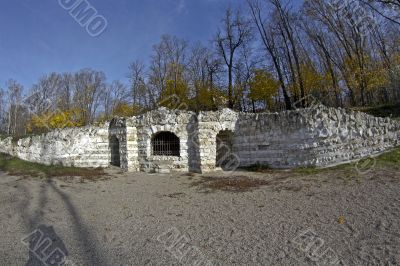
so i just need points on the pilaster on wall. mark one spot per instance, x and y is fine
(210, 124)
(207, 148)
(101, 140)
(132, 149)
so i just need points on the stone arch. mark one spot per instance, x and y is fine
(165, 143)
(117, 139)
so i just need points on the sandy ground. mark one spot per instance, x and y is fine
(140, 219)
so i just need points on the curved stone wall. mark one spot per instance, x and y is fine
(320, 136)
(80, 147)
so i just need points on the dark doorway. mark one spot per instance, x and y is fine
(115, 153)
(224, 149)
(165, 144)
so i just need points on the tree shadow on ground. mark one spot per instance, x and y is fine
(88, 244)
(45, 247)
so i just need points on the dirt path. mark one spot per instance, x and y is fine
(139, 219)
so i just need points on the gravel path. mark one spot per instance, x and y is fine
(140, 219)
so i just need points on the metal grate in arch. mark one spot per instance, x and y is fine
(165, 144)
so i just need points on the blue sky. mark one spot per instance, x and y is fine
(39, 36)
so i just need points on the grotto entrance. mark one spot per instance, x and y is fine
(115, 151)
(165, 144)
(117, 140)
(225, 157)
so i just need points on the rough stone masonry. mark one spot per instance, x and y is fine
(163, 140)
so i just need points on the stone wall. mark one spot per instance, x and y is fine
(79, 147)
(144, 127)
(7, 146)
(209, 125)
(320, 136)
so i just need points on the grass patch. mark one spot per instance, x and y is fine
(387, 110)
(391, 158)
(230, 184)
(18, 167)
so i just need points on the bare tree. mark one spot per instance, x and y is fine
(388, 9)
(287, 28)
(234, 33)
(268, 38)
(3, 112)
(199, 71)
(139, 90)
(244, 68)
(89, 86)
(44, 97)
(214, 67)
(65, 91)
(114, 94)
(167, 63)
(14, 101)
(324, 48)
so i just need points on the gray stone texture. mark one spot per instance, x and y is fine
(318, 136)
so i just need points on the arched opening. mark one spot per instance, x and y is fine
(225, 157)
(115, 151)
(165, 144)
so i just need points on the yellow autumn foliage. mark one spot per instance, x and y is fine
(126, 110)
(175, 95)
(263, 87)
(371, 76)
(313, 80)
(49, 121)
